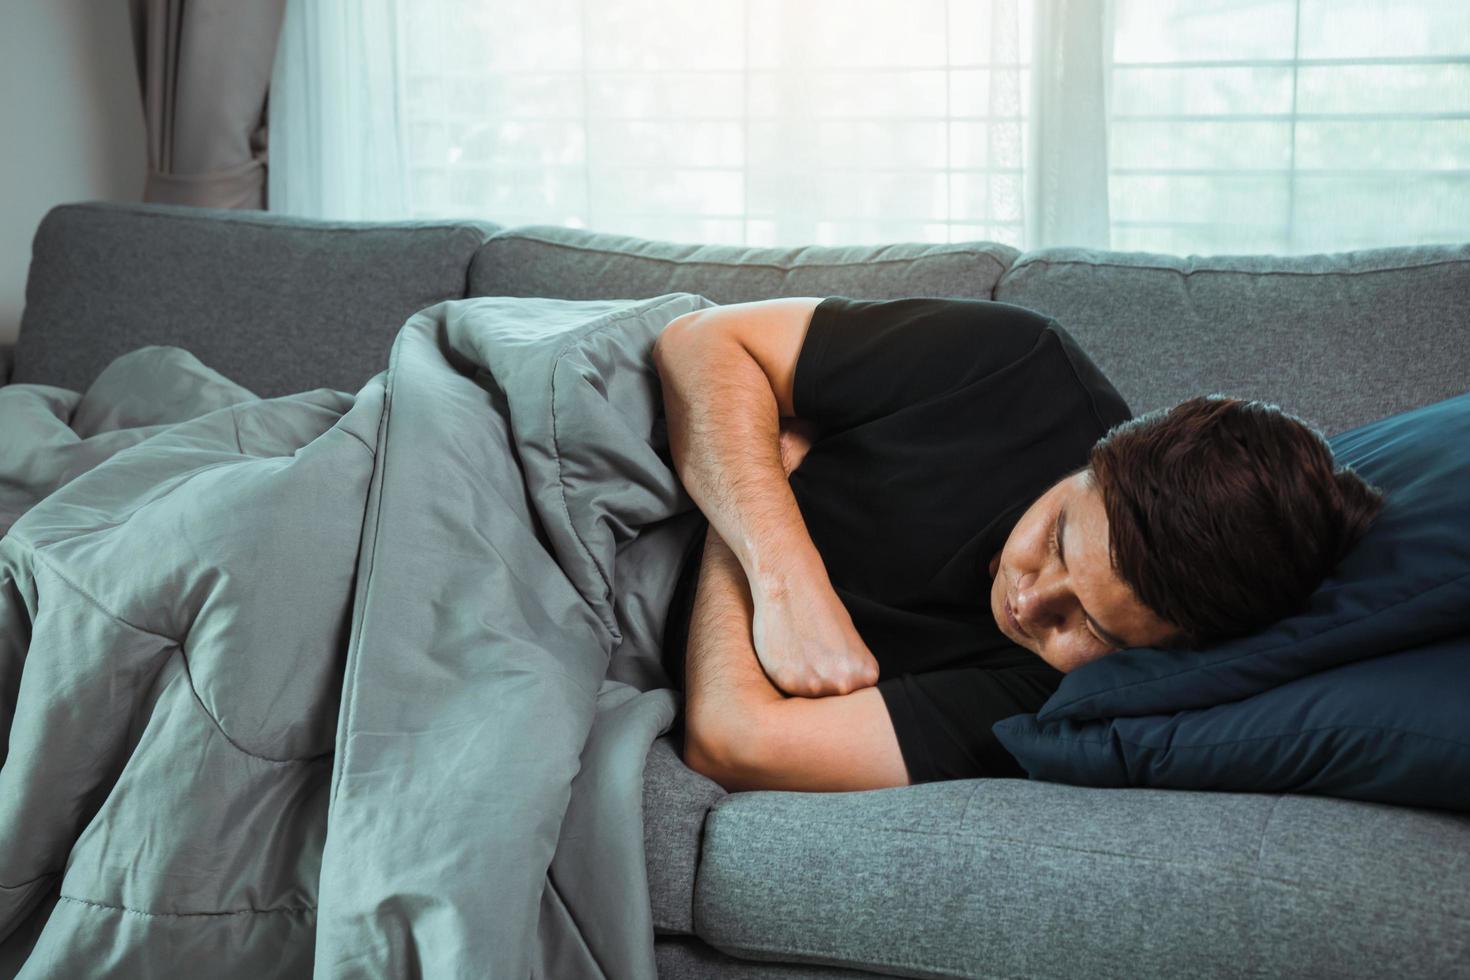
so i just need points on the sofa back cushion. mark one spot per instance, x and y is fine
(274, 303)
(568, 263)
(1339, 339)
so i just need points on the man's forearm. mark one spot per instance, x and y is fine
(725, 687)
(743, 733)
(722, 408)
(724, 434)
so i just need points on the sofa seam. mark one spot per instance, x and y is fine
(1023, 263)
(1265, 826)
(250, 219)
(845, 961)
(737, 265)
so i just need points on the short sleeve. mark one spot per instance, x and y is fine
(943, 718)
(864, 359)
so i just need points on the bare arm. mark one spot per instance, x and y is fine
(723, 410)
(743, 733)
(727, 376)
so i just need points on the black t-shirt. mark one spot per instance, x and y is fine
(940, 422)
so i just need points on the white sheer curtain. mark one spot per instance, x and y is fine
(1165, 125)
(338, 143)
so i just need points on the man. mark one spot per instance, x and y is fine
(941, 530)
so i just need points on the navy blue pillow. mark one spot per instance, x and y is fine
(1390, 729)
(1406, 582)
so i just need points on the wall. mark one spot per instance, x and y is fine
(72, 121)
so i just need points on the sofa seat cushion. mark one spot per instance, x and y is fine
(1339, 339)
(569, 263)
(688, 958)
(274, 303)
(1017, 878)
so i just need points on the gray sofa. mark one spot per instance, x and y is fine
(982, 878)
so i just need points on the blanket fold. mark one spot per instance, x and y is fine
(344, 685)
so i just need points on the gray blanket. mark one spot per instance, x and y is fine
(359, 685)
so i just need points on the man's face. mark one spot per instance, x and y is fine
(1069, 606)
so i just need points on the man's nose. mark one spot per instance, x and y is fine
(1036, 598)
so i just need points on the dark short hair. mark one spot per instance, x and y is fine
(1225, 514)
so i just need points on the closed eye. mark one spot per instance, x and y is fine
(1056, 548)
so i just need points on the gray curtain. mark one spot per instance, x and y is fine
(204, 68)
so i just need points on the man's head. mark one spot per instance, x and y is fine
(1188, 526)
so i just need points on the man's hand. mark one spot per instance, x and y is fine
(807, 644)
(745, 734)
(803, 634)
(796, 440)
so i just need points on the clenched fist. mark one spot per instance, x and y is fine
(807, 644)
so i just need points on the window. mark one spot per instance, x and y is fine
(1176, 126)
